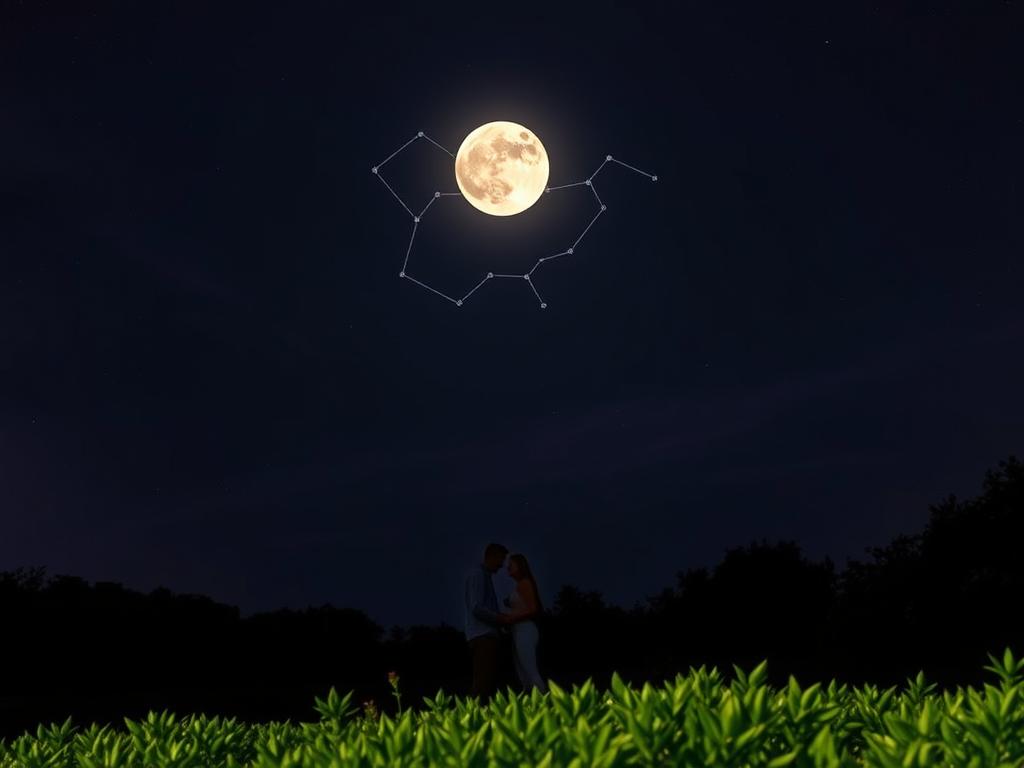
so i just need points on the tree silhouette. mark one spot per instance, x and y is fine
(938, 601)
(945, 596)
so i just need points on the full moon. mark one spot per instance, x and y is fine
(501, 168)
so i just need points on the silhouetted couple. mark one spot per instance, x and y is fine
(485, 623)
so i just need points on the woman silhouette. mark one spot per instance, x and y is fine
(525, 606)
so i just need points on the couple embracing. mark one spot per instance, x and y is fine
(485, 623)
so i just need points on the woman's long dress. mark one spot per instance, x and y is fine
(524, 639)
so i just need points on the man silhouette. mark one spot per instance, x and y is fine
(482, 621)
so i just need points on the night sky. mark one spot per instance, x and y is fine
(213, 379)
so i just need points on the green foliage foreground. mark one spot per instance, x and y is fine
(695, 720)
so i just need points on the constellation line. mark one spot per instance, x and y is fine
(486, 278)
(566, 186)
(436, 195)
(424, 285)
(585, 231)
(410, 141)
(395, 194)
(409, 249)
(627, 165)
(543, 305)
(490, 275)
(549, 258)
(435, 144)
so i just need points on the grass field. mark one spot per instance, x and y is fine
(700, 719)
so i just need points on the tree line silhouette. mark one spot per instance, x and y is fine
(937, 601)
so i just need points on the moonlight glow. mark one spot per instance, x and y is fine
(501, 168)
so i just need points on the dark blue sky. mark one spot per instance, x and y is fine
(212, 378)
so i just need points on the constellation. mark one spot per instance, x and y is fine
(526, 277)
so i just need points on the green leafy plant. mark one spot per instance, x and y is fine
(699, 719)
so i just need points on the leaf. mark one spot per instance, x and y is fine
(784, 760)
(810, 697)
(749, 735)
(924, 720)
(759, 675)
